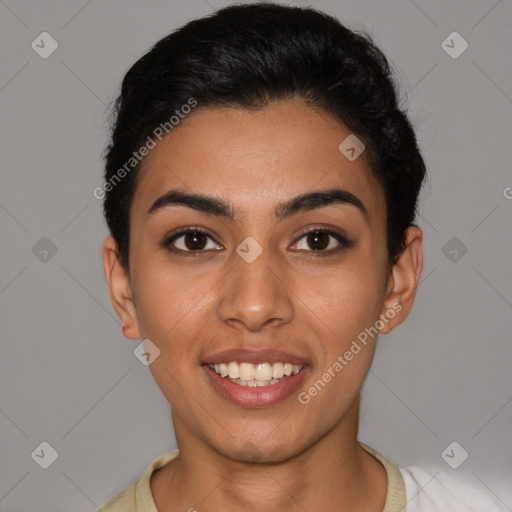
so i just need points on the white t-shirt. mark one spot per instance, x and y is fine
(410, 489)
(438, 491)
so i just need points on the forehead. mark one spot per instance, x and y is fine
(255, 159)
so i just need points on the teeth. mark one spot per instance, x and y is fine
(223, 370)
(262, 374)
(233, 371)
(256, 383)
(278, 370)
(246, 371)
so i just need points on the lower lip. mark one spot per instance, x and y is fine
(259, 396)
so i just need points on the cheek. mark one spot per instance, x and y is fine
(349, 305)
(345, 306)
(346, 300)
(169, 301)
(173, 308)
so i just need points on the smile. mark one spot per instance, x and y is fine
(256, 375)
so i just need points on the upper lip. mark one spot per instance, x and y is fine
(254, 356)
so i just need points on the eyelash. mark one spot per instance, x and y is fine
(343, 241)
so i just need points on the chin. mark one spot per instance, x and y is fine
(266, 451)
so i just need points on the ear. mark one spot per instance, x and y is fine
(403, 281)
(120, 289)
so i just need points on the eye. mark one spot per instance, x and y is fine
(322, 240)
(191, 240)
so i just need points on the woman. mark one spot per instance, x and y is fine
(261, 189)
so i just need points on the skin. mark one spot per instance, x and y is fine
(288, 456)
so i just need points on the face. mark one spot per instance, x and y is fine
(266, 280)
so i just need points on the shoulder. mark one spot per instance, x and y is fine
(123, 501)
(138, 497)
(438, 491)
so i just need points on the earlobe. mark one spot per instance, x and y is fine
(120, 291)
(403, 281)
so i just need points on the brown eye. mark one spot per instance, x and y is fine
(322, 241)
(318, 241)
(194, 241)
(191, 240)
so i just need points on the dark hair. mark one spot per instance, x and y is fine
(247, 56)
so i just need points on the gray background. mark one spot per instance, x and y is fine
(69, 377)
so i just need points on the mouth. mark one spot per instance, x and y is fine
(256, 375)
(255, 378)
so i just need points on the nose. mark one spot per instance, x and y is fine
(256, 295)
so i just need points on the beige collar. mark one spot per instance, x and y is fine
(395, 496)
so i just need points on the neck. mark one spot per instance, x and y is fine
(335, 472)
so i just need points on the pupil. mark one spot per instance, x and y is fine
(195, 244)
(313, 240)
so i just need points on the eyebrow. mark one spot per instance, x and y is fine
(215, 206)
